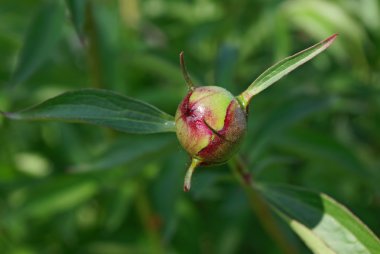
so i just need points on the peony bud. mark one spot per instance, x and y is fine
(210, 125)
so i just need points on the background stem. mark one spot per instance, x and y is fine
(259, 206)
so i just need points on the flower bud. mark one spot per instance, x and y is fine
(210, 124)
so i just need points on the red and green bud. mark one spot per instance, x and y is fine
(211, 122)
(210, 125)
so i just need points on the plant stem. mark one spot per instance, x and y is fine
(150, 222)
(243, 101)
(259, 206)
(92, 47)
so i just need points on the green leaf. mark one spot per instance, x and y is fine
(41, 38)
(77, 10)
(282, 68)
(225, 65)
(126, 151)
(49, 197)
(286, 114)
(322, 148)
(323, 224)
(100, 107)
(103, 36)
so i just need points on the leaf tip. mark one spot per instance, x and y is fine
(330, 39)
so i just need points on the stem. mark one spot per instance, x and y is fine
(92, 48)
(259, 206)
(243, 101)
(185, 74)
(194, 163)
(150, 222)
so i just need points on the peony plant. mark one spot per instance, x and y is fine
(210, 124)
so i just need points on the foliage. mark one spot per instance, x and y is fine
(85, 189)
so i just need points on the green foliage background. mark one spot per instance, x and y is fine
(69, 188)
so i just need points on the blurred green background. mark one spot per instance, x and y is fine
(69, 188)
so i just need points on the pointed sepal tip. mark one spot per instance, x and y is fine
(185, 73)
(187, 184)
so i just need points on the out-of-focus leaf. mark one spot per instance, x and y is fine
(316, 145)
(278, 120)
(317, 18)
(282, 36)
(161, 68)
(100, 107)
(225, 66)
(77, 10)
(323, 224)
(104, 44)
(282, 68)
(121, 201)
(110, 247)
(255, 35)
(126, 151)
(369, 12)
(41, 38)
(54, 196)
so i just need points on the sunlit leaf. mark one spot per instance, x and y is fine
(41, 38)
(323, 224)
(100, 107)
(282, 68)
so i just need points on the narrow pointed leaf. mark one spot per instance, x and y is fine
(100, 107)
(41, 38)
(282, 68)
(323, 224)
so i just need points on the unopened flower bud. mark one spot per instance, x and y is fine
(210, 124)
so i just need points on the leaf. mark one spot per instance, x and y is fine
(323, 224)
(77, 10)
(126, 151)
(104, 47)
(282, 68)
(323, 148)
(225, 65)
(286, 114)
(53, 195)
(41, 38)
(100, 107)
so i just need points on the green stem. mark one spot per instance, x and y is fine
(150, 222)
(243, 101)
(259, 206)
(92, 46)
